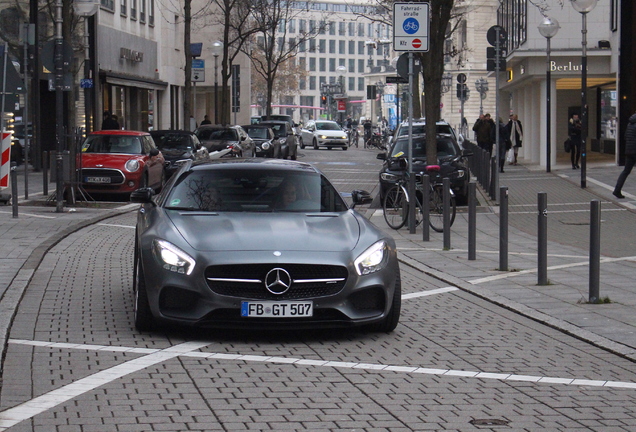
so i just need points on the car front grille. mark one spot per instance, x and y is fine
(248, 281)
(115, 175)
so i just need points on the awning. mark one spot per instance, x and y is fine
(132, 81)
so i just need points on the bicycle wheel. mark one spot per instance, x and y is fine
(436, 209)
(395, 207)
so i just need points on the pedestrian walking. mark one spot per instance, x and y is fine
(630, 156)
(504, 143)
(206, 120)
(574, 132)
(367, 132)
(515, 133)
(484, 128)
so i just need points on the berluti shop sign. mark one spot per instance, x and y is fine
(557, 66)
(128, 54)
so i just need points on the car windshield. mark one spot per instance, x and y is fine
(174, 141)
(279, 130)
(112, 144)
(254, 191)
(327, 126)
(421, 129)
(445, 147)
(217, 134)
(257, 133)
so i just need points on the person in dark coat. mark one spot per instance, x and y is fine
(206, 120)
(515, 133)
(484, 128)
(574, 132)
(109, 123)
(504, 143)
(630, 156)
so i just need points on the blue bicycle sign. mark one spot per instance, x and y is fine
(411, 25)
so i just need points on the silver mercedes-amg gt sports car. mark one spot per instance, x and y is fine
(257, 243)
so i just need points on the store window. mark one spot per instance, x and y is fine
(609, 104)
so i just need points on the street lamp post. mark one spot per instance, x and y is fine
(217, 49)
(482, 88)
(583, 7)
(548, 29)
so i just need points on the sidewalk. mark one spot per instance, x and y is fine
(563, 303)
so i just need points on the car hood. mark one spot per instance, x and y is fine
(174, 154)
(331, 133)
(314, 232)
(107, 160)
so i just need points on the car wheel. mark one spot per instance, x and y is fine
(143, 316)
(144, 181)
(315, 144)
(393, 317)
(345, 148)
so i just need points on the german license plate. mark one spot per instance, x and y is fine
(277, 309)
(97, 179)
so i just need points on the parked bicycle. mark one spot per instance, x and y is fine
(354, 137)
(376, 139)
(397, 201)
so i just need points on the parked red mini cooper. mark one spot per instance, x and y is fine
(119, 162)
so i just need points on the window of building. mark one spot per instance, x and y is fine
(352, 47)
(302, 84)
(312, 45)
(351, 29)
(280, 42)
(301, 46)
(322, 80)
(312, 26)
(142, 11)
(513, 16)
(351, 86)
(123, 8)
(361, 29)
(332, 28)
(292, 26)
(322, 46)
(341, 28)
(302, 26)
(361, 47)
(332, 65)
(281, 26)
(361, 66)
(332, 46)
(352, 65)
(322, 65)
(312, 83)
(302, 63)
(108, 5)
(151, 12)
(312, 64)
(341, 47)
(360, 84)
(341, 62)
(133, 9)
(323, 27)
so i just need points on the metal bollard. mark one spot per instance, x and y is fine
(595, 250)
(14, 189)
(45, 173)
(446, 215)
(503, 228)
(472, 221)
(412, 208)
(542, 238)
(426, 199)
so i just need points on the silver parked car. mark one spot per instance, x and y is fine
(324, 133)
(218, 138)
(259, 243)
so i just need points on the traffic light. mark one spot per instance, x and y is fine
(463, 92)
(323, 100)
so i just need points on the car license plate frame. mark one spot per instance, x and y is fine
(100, 180)
(277, 309)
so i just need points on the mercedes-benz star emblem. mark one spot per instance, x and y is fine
(278, 281)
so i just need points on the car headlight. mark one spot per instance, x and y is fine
(172, 258)
(322, 136)
(343, 137)
(132, 165)
(389, 177)
(282, 140)
(265, 146)
(372, 260)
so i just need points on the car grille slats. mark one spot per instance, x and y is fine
(248, 281)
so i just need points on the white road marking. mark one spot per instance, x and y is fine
(428, 293)
(38, 405)
(116, 225)
(42, 403)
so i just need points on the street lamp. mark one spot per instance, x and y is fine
(217, 50)
(482, 88)
(447, 81)
(583, 7)
(548, 29)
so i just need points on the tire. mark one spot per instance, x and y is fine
(436, 209)
(395, 207)
(142, 313)
(393, 317)
(345, 148)
(315, 144)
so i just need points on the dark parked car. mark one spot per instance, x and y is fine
(119, 162)
(178, 146)
(218, 138)
(286, 137)
(452, 161)
(257, 243)
(264, 140)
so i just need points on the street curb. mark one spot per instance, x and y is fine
(484, 294)
(16, 289)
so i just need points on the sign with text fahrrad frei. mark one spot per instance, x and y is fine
(411, 29)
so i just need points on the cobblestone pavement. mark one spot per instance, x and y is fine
(458, 361)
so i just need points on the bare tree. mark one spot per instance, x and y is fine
(273, 47)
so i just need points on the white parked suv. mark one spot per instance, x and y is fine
(324, 133)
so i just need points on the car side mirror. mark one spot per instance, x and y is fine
(142, 196)
(381, 156)
(154, 152)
